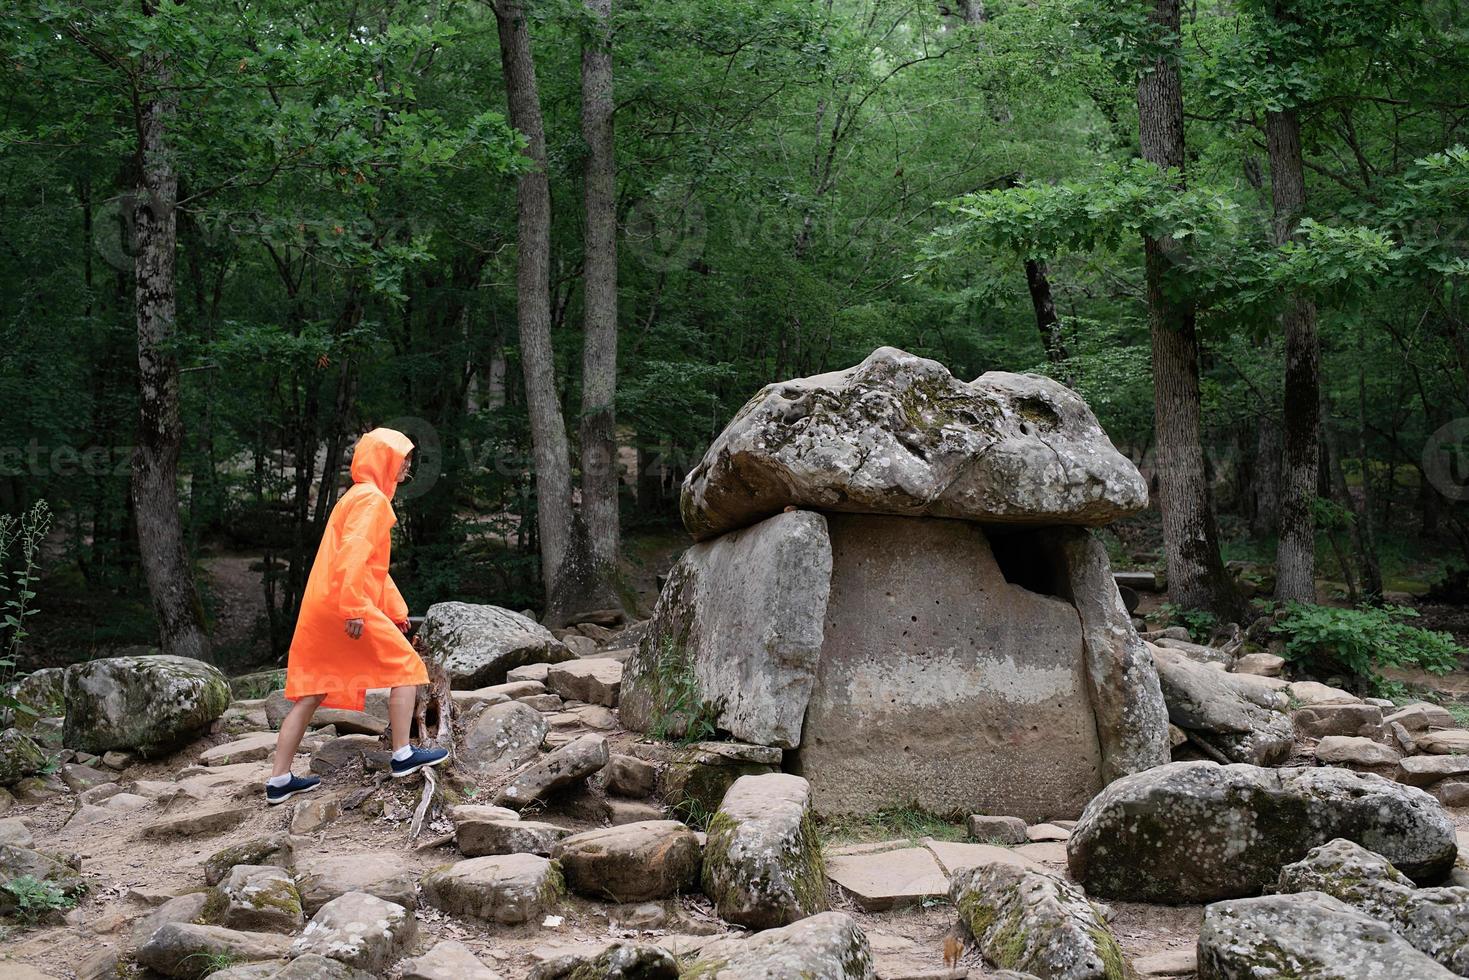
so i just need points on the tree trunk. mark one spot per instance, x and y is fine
(161, 544)
(599, 480)
(1038, 281)
(1197, 578)
(1265, 479)
(1295, 555)
(568, 569)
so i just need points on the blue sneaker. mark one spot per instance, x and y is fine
(418, 760)
(297, 785)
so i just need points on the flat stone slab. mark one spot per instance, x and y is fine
(889, 879)
(251, 748)
(953, 855)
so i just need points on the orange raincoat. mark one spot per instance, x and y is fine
(350, 580)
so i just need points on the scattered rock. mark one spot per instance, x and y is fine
(631, 863)
(1174, 963)
(1198, 832)
(480, 644)
(630, 777)
(277, 850)
(621, 812)
(1260, 664)
(1421, 716)
(1452, 792)
(360, 930)
(214, 819)
(595, 681)
(479, 811)
(346, 722)
(762, 863)
(479, 838)
(310, 815)
(251, 748)
(260, 898)
(13, 830)
(620, 961)
(1240, 721)
(1321, 720)
(1312, 693)
(1357, 753)
(43, 691)
(997, 830)
(530, 672)
(1032, 920)
(180, 908)
(1434, 920)
(20, 756)
(697, 776)
(569, 764)
(307, 967)
(147, 705)
(1196, 652)
(448, 960)
(186, 949)
(346, 751)
(502, 737)
(736, 635)
(1451, 742)
(828, 946)
(385, 874)
(117, 760)
(1305, 935)
(508, 889)
(79, 778)
(60, 871)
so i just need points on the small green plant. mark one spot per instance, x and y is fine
(1199, 622)
(1361, 641)
(208, 963)
(682, 714)
(693, 813)
(20, 544)
(35, 897)
(897, 823)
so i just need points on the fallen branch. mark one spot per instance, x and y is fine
(430, 787)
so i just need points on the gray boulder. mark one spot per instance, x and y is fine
(60, 871)
(1311, 936)
(42, 691)
(447, 960)
(149, 705)
(595, 680)
(385, 874)
(570, 764)
(260, 898)
(360, 930)
(620, 961)
(1035, 921)
(1239, 720)
(478, 644)
(736, 635)
(762, 862)
(276, 849)
(827, 946)
(502, 737)
(634, 862)
(1434, 920)
(898, 434)
(479, 837)
(1199, 832)
(20, 756)
(508, 889)
(187, 949)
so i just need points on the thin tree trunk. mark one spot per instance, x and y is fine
(1038, 281)
(1197, 578)
(1295, 555)
(1366, 532)
(599, 481)
(567, 567)
(160, 430)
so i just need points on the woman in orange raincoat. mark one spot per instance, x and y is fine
(351, 633)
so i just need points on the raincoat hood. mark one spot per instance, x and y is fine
(378, 457)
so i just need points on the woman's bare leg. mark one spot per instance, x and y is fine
(400, 713)
(293, 727)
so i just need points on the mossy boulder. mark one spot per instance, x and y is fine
(762, 862)
(361, 930)
(261, 898)
(1310, 936)
(277, 850)
(620, 961)
(508, 889)
(20, 756)
(1035, 921)
(478, 643)
(898, 434)
(1434, 920)
(826, 946)
(633, 862)
(149, 705)
(1198, 832)
(41, 691)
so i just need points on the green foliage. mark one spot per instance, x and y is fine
(1200, 623)
(681, 713)
(34, 897)
(1359, 642)
(908, 823)
(20, 550)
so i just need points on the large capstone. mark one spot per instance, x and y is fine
(736, 635)
(1307, 935)
(148, 705)
(898, 434)
(1200, 832)
(478, 644)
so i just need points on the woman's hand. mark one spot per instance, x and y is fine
(354, 628)
(405, 626)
